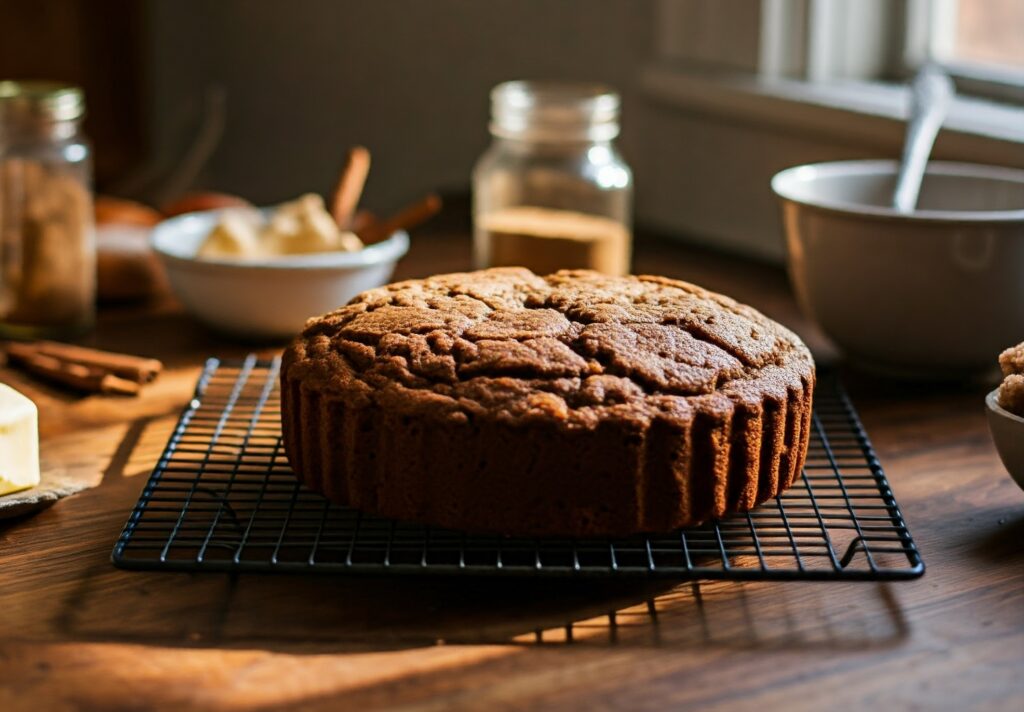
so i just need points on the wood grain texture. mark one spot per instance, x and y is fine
(75, 633)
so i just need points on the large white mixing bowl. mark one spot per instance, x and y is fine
(939, 292)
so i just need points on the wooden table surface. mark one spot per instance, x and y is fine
(76, 633)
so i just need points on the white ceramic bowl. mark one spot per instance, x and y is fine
(939, 292)
(266, 299)
(1008, 434)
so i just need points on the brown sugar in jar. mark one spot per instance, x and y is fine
(47, 248)
(546, 240)
(552, 191)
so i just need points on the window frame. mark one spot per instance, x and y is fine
(743, 88)
(986, 81)
(931, 34)
(826, 40)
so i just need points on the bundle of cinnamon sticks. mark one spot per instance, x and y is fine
(370, 228)
(84, 369)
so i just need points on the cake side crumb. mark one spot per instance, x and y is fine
(574, 404)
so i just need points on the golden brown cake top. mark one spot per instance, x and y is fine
(575, 346)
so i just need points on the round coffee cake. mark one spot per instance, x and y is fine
(574, 404)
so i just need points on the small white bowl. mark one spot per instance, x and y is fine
(266, 299)
(1008, 434)
(938, 292)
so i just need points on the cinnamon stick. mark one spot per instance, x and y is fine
(363, 221)
(132, 368)
(349, 188)
(409, 217)
(77, 376)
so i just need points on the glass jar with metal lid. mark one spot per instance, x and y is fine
(47, 247)
(552, 191)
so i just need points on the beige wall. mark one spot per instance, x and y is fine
(305, 79)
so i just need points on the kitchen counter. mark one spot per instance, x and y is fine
(76, 633)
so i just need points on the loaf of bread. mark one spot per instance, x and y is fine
(575, 404)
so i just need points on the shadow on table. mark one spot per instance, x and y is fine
(327, 613)
(1002, 541)
(333, 613)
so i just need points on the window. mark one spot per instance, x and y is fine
(988, 32)
(981, 43)
(742, 88)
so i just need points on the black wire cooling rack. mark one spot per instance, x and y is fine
(222, 498)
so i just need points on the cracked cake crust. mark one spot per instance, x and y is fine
(573, 404)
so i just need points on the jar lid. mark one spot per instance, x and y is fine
(554, 111)
(40, 101)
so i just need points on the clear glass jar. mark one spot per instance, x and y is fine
(552, 191)
(47, 243)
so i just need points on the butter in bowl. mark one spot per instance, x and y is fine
(302, 226)
(258, 274)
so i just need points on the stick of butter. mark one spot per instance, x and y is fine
(19, 442)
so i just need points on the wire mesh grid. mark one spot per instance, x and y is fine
(222, 498)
